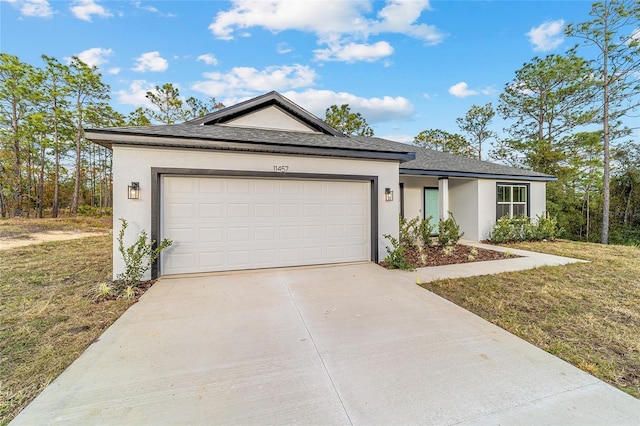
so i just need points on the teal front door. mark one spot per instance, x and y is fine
(431, 205)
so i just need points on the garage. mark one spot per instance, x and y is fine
(221, 223)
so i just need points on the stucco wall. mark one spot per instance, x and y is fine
(487, 205)
(414, 194)
(133, 164)
(463, 203)
(270, 118)
(538, 199)
(472, 202)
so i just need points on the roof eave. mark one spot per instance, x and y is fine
(108, 140)
(475, 175)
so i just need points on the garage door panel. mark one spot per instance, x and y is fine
(356, 231)
(210, 210)
(239, 258)
(211, 235)
(236, 234)
(180, 210)
(238, 186)
(239, 210)
(240, 223)
(264, 233)
(211, 186)
(212, 259)
(289, 210)
(290, 233)
(313, 232)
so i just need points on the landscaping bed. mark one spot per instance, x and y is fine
(421, 257)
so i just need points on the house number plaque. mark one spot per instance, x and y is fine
(281, 169)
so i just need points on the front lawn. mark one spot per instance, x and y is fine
(47, 316)
(587, 314)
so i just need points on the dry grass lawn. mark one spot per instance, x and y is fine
(587, 314)
(47, 315)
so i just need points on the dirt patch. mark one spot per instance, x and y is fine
(43, 237)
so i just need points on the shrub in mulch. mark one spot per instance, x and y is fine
(113, 290)
(420, 257)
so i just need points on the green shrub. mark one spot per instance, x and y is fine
(449, 231)
(502, 231)
(425, 232)
(90, 211)
(521, 228)
(408, 235)
(396, 258)
(137, 258)
(546, 228)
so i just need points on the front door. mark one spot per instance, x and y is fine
(431, 205)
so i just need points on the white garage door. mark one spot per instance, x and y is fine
(220, 224)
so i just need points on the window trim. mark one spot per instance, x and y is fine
(511, 185)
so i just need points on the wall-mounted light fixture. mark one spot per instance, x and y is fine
(388, 194)
(133, 191)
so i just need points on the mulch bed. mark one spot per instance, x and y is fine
(139, 290)
(436, 256)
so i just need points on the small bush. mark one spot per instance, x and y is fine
(508, 230)
(546, 228)
(425, 231)
(137, 258)
(90, 211)
(408, 236)
(449, 231)
(396, 258)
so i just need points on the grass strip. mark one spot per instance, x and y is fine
(588, 314)
(47, 315)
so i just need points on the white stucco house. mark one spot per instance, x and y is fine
(265, 183)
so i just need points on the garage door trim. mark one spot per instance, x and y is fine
(156, 199)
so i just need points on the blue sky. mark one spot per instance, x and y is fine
(405, 65)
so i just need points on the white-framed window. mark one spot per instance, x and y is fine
(512, 200)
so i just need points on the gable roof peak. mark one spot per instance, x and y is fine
(264, 101)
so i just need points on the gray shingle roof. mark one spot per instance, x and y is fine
(210, 132)
(448, 164)
(271, 98)
(248, 136)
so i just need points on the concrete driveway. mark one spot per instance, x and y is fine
(351, 344)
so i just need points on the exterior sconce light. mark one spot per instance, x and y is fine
(133, 191)
(388, 194)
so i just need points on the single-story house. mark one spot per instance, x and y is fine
(265, 183)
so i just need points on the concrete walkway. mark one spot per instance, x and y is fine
(348, 344)
(528, 260)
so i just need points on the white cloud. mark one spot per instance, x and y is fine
(136, 94)
(547, 36)
(148, 8)
(36, 8)
(151, 61)
(332, 21)
(408, 139)
(95, 56)
(374, 110)
(461, 90)
(353, 52)
(283, 48)
(399, 16)
(113, 71)
(32, 8)
(85, 9)
(247, 81)
(152, 9)
(208, 59)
